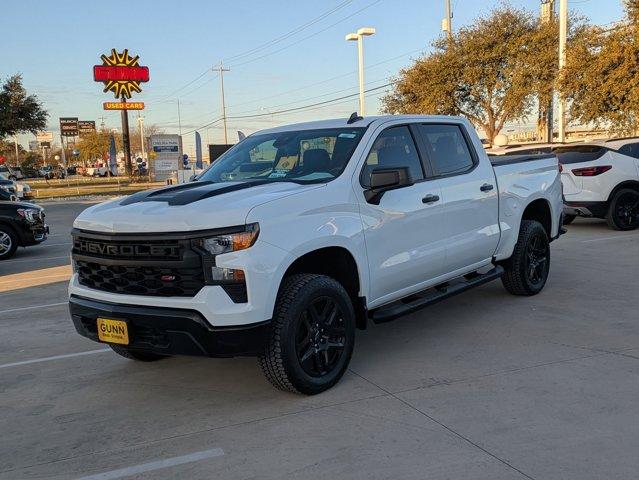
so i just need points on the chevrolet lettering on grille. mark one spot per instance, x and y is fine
(118, 250)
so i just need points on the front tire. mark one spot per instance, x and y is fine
(623, 213)
(526, 271)
(8, 243)
(136, 355)
(312, 335)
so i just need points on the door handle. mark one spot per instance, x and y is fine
(430, 198)
(486, 187)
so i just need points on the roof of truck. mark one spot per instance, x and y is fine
(362, 122)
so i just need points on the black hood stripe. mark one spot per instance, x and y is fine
(188, 193)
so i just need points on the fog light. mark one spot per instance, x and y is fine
(219, 274)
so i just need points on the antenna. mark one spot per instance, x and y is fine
(354, 118)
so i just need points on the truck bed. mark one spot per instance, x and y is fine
(501, 160)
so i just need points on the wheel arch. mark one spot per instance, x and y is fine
(540, 211)
(338, 263)
(16, 232)
(631, 184)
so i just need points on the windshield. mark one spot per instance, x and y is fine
(305, 156)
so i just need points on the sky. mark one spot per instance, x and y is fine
(282, 54)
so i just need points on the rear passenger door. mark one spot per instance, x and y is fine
(469, 193)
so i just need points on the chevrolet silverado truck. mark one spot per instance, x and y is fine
(299, 235)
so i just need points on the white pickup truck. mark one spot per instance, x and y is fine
(298, 235)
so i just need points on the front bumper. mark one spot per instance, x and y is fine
(170, 331)
(586, 209)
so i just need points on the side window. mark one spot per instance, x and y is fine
(449, 150)
(393, 148)
(630, 149)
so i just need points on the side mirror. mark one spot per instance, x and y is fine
(385, 179)
(193, 178)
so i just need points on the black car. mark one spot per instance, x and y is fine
(21, 225)
(8, 190)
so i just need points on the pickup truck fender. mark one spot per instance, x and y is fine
(516, 195)
(331, 220)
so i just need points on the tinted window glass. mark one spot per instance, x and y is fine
(448, 147)
(579, 153)
(393, 148)
(299, 156)
(631, 149)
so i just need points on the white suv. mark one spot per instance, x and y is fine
(601, 179)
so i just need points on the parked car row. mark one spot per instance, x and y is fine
(600, 178)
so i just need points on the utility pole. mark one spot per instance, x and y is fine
(102, 122)
(447, 24)
(545, 116)
(563, 33)
(141, 127)
(221, 70)
(179, 118)
(15, 140)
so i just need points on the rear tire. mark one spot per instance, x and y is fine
(568, 219)
(8, 242)
(526, 271)
(312, 335)
(623, 213)
(136, 355)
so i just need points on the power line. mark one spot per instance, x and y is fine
(188, 84)
(307, 37)
(288, 110)
(291, 33)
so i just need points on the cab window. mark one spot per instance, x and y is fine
(393, 148)
(447, 147)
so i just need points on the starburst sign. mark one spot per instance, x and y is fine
(121, 74)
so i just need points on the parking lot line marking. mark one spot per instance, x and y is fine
(157, 465)
(34, 259)
(608, 238)
(31, 307)
(56, 357)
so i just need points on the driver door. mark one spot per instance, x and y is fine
(404, 234)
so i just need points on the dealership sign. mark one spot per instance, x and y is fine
(123, 105)
(69, 126)
(121, 74)
(86, 126)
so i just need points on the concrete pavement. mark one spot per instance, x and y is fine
(481, 386)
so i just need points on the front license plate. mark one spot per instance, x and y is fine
(113, 331)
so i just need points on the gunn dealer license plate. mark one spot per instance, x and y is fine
(113, 331)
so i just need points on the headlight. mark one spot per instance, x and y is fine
(5, 188)
(231, 242)
(29, 214)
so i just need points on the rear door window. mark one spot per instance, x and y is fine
(447, 147)
(579, 153)
(630, 149)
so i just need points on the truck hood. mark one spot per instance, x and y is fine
(186, 207)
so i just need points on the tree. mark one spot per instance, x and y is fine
(95, 145)
(601, 77)
(490, 72)
(19, 112)
(134, 137)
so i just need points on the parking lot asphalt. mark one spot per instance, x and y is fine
(481, 386)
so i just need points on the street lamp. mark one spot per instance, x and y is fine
(359, 36)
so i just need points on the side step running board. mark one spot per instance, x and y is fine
(432, 295)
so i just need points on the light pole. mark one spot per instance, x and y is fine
(563, 32)
(359, 37)
(141, 127)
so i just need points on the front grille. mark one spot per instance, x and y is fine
(127, 250)
(141, 280)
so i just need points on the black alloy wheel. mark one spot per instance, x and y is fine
(537, 252)
(625, 210)
(320, 337)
